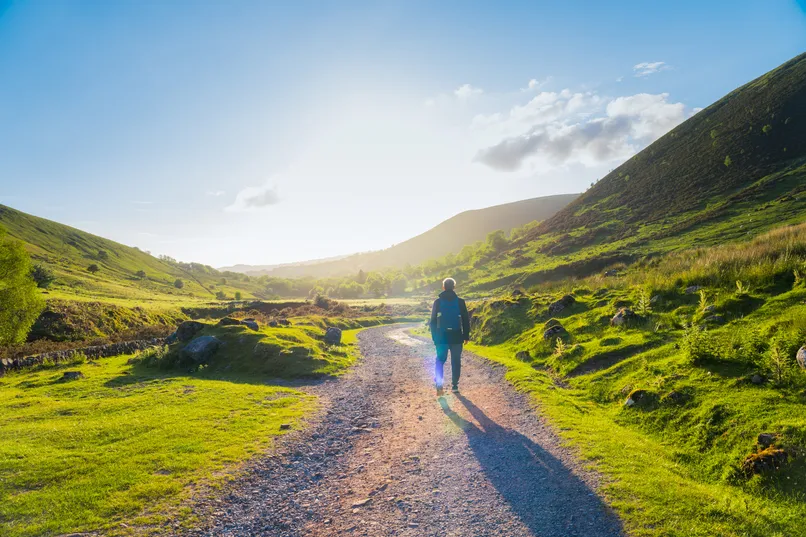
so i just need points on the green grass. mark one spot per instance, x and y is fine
(132, 440)
(88, 454)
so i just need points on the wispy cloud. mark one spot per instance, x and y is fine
(467, 91)
(254, 198)
(649, 68)
(215, 193)
(535, 84)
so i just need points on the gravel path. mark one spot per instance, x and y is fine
(386, 457)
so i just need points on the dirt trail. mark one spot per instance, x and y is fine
(386, 457)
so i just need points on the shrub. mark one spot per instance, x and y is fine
(179, 284)
(221, 295)
(699, 345)
(43, 276)
(93, 268)
(141, 274)
(238, 295)
(103, 255)
(20, 303)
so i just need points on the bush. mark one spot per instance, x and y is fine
(179, 284)
(141, 274)
(103, 255)
(43, 276)
(92, 269)
(238, 295)
(699, 345)
(221, 295)
(20, 303)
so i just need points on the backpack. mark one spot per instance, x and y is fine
(450, 318)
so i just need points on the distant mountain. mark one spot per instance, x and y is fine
(448, 237)
(263, 269)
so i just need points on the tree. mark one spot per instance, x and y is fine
(20, 303)
(497, 241)
(362, 277)
(141, 274)
(221, 295)
(238, 295)
(376, 284)
(103, 254)
(43, 276)
(179, 284)
(398, 285)
(93, 268)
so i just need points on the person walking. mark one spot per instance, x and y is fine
(450, 329)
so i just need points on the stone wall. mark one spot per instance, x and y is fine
(98, 351)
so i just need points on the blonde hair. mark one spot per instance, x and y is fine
(449, 284)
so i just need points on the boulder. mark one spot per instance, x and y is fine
(757, 379)
(714, 319)
(554, 331)
(228, 321)
(284, 322)
(201, 349)
(765, 440)
(560, 305)
(523, 356)
(188, 329)
(72, 375)
(765, 461)
(691, 289)
(273, 323)
(251, 323)
(623, 317)
(801, 357)
(333, 336)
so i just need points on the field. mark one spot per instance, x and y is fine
(132, 439)
(707, 371)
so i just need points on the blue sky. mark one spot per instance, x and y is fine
(260, 132)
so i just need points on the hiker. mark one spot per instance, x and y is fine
(450, 328)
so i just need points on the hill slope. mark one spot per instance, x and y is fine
(732, 171)
(448, 237)
(68, 252)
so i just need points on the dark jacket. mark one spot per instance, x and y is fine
(440, 336)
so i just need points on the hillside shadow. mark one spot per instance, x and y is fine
(545, 495)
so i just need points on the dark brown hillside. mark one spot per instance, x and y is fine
(755, 130)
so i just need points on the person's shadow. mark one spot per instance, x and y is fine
(542, 492)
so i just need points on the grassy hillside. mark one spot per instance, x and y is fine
(448, 237)
(681, 392)
(69, 252)
(731, 172)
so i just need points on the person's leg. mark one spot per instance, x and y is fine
(439, 366)
(456, 364)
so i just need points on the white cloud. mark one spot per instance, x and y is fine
(467, 91)
(535, 84)
(649, 68)
(215, 193)
(254, 198)
(580, 128)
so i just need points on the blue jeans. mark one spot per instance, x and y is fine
(456, 362)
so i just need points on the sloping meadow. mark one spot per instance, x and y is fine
(679, 376)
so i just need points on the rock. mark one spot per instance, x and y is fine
(201, 349)
(251, 324)
(625, 316)
(765, 461)
(765, 440)
(284, 322)
(801, 357)
(285, 426)
(551, 323)
(757, 379)
(361, 503)
(273, 323)
(560, 305)
(641, 398)
(72, 375)
(691, 289)
(188, 329)
(228, 321)
(555, 331)
(171, 339)
(714, 319)
(524, 356)
(333, 336)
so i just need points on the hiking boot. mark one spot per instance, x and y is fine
(455, 389)
(440, 391)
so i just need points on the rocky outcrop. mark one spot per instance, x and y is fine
(624, 317)
(765, 461)
(201, 349)
(333, 336)
(565, 302)
(553, 329)
(188, 329)
(96, 351)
